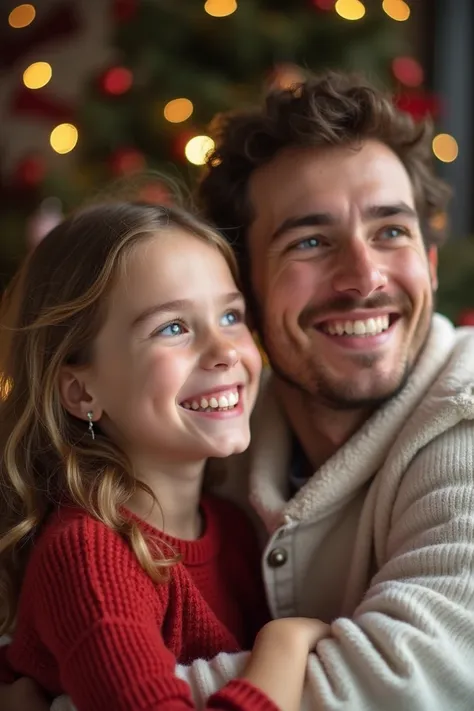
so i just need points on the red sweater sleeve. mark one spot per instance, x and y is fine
(99, 616)
(6, 674)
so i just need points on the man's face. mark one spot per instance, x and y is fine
(340, 273)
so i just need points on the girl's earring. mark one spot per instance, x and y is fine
(91, 424)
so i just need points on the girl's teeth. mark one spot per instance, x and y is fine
(213, 403)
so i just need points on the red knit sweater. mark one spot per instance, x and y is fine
(93, 625)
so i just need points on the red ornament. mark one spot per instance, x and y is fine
(324, 5)
(127, 160)
(30, 171)
(124, 10)
(408, 71)
(156, 193)
(180, 143)
(418, 104)
(117, 81)
(466, 318)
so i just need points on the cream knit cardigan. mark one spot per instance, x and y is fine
(379, 542)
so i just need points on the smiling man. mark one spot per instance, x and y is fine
(361, 464)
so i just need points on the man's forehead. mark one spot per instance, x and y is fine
(322, 179)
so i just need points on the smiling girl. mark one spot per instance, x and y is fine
(129, 365)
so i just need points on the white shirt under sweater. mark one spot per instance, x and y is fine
(379, 542)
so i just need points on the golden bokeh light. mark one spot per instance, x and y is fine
(178, 110)
(37, 75)
(220, 8)
(350, 9)
(198, 148)
(21, 16)
(445, 147)
(396, 9)
(64, 138)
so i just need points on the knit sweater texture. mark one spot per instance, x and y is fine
(93, 624)
(379, 543)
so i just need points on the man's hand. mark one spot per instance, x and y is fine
(23, 695)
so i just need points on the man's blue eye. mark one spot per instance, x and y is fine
(392, 232)
(172, 329)
(308, 243)
(231, 318)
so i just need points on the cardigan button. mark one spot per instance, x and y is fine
(277, 557)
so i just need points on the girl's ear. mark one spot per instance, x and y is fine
(77, 396)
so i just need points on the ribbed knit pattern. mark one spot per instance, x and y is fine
(92, 624)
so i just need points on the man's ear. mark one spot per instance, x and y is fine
(76, 395)
(433, 266)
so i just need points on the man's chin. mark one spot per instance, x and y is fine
(352, 394)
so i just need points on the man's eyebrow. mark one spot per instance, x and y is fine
(324, 219)
(390, 210)
(315, 219)
(179, 305)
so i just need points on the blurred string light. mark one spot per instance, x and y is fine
(408, 71)
(350, 9)
(198, 148)
(445, 147)
(396, 9)
(220, 8)
(178, 110)
(64, 138)
(37, 75)
(117, 80)
(21, 16)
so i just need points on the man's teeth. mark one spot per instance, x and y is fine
(369, 327)
(219, 401)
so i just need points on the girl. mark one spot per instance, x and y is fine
(129, 365)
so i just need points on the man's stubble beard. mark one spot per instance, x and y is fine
(318, 388)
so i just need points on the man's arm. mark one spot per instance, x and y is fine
(410, 643)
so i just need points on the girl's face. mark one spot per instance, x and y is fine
(175, 370)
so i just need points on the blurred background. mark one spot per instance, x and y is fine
(100, 90)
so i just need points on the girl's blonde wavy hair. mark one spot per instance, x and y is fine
(50, 317)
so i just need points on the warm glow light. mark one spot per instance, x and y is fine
(439, 221)
(198, 148)
(37, 75)
(396, 9)
(445, 147)
(220, 8)
(178, 110)
(350, 9)
(21, 16)
(6, 385)
(63, 138)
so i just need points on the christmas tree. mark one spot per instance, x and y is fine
(179, 63)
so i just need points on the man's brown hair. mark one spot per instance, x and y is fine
(334, 109)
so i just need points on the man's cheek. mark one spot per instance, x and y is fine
(293, 286)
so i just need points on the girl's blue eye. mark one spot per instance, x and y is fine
(172, 329)
(231, 318)
(308, 243)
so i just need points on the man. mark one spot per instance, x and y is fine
(361, 465)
